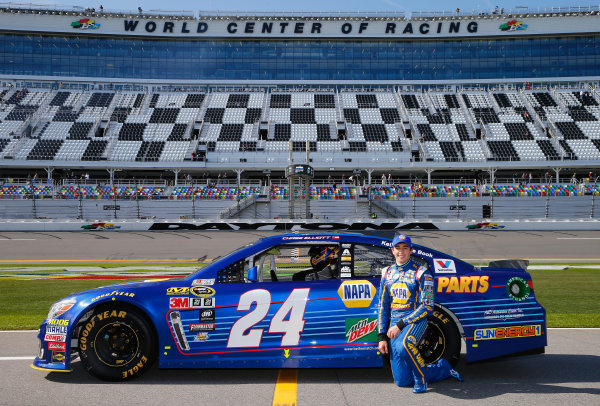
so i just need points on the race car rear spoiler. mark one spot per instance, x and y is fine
(510, 263)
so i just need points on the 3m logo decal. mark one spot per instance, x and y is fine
(179, 302)
(357, 293)
(444, 266)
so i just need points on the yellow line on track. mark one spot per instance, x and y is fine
(533, 259)
(285, 389)
(12, 261)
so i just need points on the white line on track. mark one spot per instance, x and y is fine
(17, 239)
(18, 331)
(30, 358)
(578, 238)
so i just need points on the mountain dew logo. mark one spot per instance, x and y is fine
(361, 330)
(85, 24)
(513, 25)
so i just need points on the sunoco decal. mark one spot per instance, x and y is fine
(357, 293)
(361, 330)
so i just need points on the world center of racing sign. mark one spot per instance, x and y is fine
(294, 27)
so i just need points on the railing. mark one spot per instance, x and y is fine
(301, 14)
(519, 10)
(388, 208)
(237, 207)
(440, 208)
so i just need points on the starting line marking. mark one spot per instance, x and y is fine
(286, 388)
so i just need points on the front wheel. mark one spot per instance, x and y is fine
(116, 344)
(441, 339)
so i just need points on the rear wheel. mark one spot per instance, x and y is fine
(441, 340)
(117, 343)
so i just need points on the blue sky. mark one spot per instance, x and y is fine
(320, 5)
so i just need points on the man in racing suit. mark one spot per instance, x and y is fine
(323, 261)
(406, 299)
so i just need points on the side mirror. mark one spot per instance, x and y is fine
(252, 274)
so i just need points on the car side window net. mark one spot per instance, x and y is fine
(298, 263)
(233, 273)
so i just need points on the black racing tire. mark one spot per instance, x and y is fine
(441, 339)
(117, 343)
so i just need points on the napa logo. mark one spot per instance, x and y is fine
(357, 293)
(513, 25)
(444, 266)
(85, 24)
(400, 293)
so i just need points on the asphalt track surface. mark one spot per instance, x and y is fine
(117, 246)
(569, 373)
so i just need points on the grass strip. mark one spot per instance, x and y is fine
(569, 296)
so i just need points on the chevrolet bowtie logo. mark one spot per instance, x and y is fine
(286, 353)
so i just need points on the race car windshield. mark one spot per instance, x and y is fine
(218, 257)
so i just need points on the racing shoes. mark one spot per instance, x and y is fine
(420, 387)
(454, 374)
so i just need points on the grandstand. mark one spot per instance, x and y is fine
(426, 97)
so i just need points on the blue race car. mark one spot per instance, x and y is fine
(288, 301)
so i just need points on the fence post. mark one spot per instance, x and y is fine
(137, 202)
(593, 199)
(114, 194)
(33, 200)
(80, 217)
(193, 201)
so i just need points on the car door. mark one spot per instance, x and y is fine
(293, 313)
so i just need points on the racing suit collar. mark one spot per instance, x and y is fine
(402, 265)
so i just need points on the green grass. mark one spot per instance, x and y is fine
(569, 296)
(25, 303)
(99, 264)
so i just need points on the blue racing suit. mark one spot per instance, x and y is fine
(406, 299)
